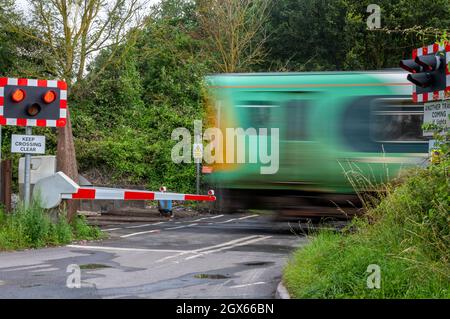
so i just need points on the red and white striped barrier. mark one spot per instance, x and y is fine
(128, 194)
(51, 190)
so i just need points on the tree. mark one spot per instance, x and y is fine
(306, 35)
(74, 31)
(20, 56)
(404, 26)
(235, 30)
(333, 34)
(125, 119)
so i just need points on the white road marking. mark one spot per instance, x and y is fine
(197, 220)
(137, 226)
(29, 267)
(246, 217)
(247, 285)
(208, 248)
(145, 225)
(126, 249)
(229, 247)
(226, 221)
(140, 233)
(111, 229)
(45, 269)
(179, 227)
(233, 219)
(214, 217)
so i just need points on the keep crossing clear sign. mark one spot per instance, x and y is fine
(27, 144)
(436, 113)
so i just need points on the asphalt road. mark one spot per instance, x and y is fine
(213, 256)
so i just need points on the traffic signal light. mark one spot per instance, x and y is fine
(26, 102)
(429, 72)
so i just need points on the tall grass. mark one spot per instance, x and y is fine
(33, 228)
(406, 232)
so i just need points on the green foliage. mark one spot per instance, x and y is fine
(81, 230)
(21, 56)
(333, 35)
(33, 228)
(124, 119)
(407, 235)
(441, 135)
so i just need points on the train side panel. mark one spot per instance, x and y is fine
(330, 125)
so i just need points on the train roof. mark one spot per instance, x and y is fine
(313, 81)
(257, 74)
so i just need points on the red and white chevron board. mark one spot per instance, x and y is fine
(35, 122)
(92, 193)
(436, 95)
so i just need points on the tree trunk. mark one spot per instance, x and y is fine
(67, 162)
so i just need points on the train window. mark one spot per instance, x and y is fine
(257, 114)
(296, 113)
(396, 121)
(383, 124)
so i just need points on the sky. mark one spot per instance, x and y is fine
(24, 6)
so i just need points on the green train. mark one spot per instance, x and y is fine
(338, 132)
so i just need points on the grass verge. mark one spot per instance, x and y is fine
(33, 228)
(407, 235)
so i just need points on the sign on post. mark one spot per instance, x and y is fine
(436, 113)
(28, 144)
(198, 151)
(198, 155)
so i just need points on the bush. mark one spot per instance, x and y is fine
(33, 228)
(407, 235)
(82, 230)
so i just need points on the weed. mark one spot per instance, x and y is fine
(406, 232)
(33, 228)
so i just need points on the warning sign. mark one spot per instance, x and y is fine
(27, 144)
(436, 113)
(198, 151)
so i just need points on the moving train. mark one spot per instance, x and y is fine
(338, 133)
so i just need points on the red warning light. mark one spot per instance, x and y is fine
(49, 97)
(18, 95)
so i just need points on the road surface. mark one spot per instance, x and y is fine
(212, 256)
